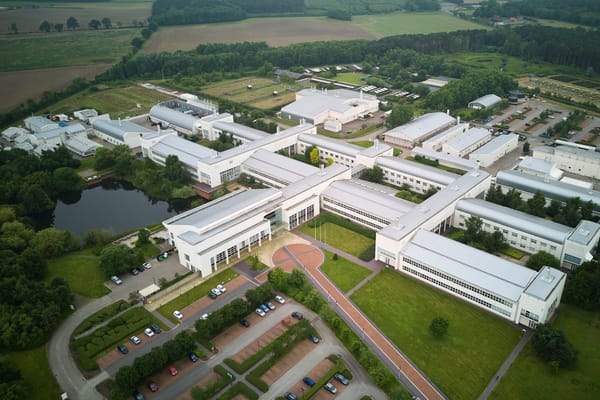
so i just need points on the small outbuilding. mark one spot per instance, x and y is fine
(487, 101)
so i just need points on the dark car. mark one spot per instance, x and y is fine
(297, 315)
(152, 386)
(140, 268)
(314, 338)
(341, 378)
(138, 396)
(155, 328)
(134, 271)
(291, 396)
(245, 323)
(212, 295)
(309, 381)
(123, 349)
(193, 356)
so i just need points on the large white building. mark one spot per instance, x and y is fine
(571, 159)
(539, 167)
(435, 143)
(420, 129)
(467, 142)
(495, 149)
(120, 132)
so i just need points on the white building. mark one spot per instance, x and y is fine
(487, 101)
(571, 159)
(495, 149)
(444, 159)
(467, 142)
(120, 132)
(12, 132)
(85, 114)
(435, 143)
(318, 106)
(539, 167)
(39, 124)
(419, 177)
(420, 129)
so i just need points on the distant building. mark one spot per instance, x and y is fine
(495, 149)
(420, 129)
(487, 101)
(467, 142)
(85, 114)
(12, 132)
(39, 124)
(571, 159)
(120, 132)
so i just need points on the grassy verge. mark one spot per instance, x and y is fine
(363, 143)
(100, 316)
(211, 390)
(149, 250)
(238, 388)
(34, 367)
(528, 374)
(463, 362)
(187, 298)
(344, 273)
(80, 270)
(512, 252)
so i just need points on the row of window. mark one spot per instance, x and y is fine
(323, 154)
(383, 221)
(403, 178)
(530, 315)
(351, 216)
(301, 216)
(459, 282)
(230, 174)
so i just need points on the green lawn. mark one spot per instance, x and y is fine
(363, 143)
(340, 238)
(80, 270)
(529, 375)
(462, 363)
(344, 273)
(187, 298)
(33, 364)
(350, 77)
(381, 25)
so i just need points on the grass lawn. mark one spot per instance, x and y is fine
(363, 143)
(33, 364)
(462, 363)
(344, 273)
(350, 77)
(149, 250)
(528, 374)
(187, 298)
(340, 238)
(80, 270)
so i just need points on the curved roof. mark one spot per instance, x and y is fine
(422, 126)
(516, 219)
(488, 100)
(417, 170)
(240, 130)
(118, 129)
(173, 117)
(550, 188)
(338, 146)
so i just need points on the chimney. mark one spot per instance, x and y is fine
(277, 131)
(321, 170)
(120, 122)
(448, 112)
(458, 120)
(361, 94)
(376, 143)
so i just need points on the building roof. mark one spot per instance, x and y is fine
(81, 145)
(519, 220)
(311, 181)
(62, 130)
(173, 117)
(118, 128)
(585, 232)
(578, 152)
(277, 167)
(338, 146)
(377, 149)
(537, 164)
(314, 102)
(374, 199)
(465, 140)
(496, 144)
(481, 269)
(458, 162)
(544, 282)
(186, 151)
(12, 131)
(441, 137)
(417, 170)
(550, 188)
(422, 126)
(240, 130)
(488, 100)
(37, 122)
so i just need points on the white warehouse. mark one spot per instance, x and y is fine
(420, 129)
(467, 142)
(495, 149)
(571, 159)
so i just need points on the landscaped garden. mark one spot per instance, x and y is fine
(462, 363)
(344, 273)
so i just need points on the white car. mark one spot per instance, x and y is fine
(279, 299)
(260, 312)
(204, 316)
(148, 332)
(177, 314)
(147, 265)
(135, 340)
(216, 291)
(116, 280)
(221, 288)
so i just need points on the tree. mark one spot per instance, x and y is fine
(583, 286)
(551, 344)
(13, 28)
(526, 146)
(94, 24)
(59, 27)
(35, 200)
(473, 225)
(45, 26)
(176, 172)
(536, 205)
(137, 43)
(439, 327)
(66, 179)
(374, 174)
(115, 260)
(401, 114)
(308, 152)
(127, 378)
(53, 243)
(72, 23)
(314, 156)
(107, 23)
(542, 258)
(143, 237)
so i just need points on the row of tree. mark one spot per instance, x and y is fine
(73, 23)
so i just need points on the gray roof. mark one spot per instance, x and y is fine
(468, 139)
(422, 126)
(544, 282)
(590, 154)
(584, 232)
(277, 167)
(536, 164)
(338, 146)
(315, 102)
(56, 132)
(488, 100)
(536, 226)
(496, 143)
(38, 122)
(486, 271)
(374, 199)
(457, 162)
(117, 128)
(417, 170)
(550, 188)
(186, 151)
(82, 146)
(447, 132)
(173, 117)
(377, 149)
(240, 130)
(311, 181)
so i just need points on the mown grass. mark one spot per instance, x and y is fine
(344, 273)
(80, 270)
(530, 377)
(197, 292)
(350, 77)
(35, 370)
(462, 363)
(340, 238)
(363, 143)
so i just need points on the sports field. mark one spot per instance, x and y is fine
(261, 94)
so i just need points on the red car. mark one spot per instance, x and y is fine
(173, 371)
(152, 386)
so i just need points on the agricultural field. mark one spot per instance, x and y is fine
(260, 96)
(579, 90)
(29, 15)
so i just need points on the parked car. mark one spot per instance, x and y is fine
(264, 308)
(172, 370)
(140, 268)
(297, 315)
(116, 280)
(123, 349)
(279, 299)
(270, 305)
(212, 295)
(291, 396)
(309, 381)
(177, 314)
(193, 356)
(260, 312)
(147, 265)
(314, 338)
(245, 323)
(341, 378)
(135, 340)
(330, 388)
(162, 256)
(155, 328)
(222, 288)
(134, 271)
(205, 316)
(216, 291)
(148, 332)
(152, 386)
(138, 396)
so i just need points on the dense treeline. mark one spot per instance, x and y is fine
(585, 12)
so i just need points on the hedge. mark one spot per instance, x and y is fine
(238, 388)
(211, 390)
(100, 316)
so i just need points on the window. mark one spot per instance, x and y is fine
(187, 257)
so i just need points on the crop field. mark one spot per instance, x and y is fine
(260, 96)
(28, 18)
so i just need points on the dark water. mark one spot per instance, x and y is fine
(114, 206)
